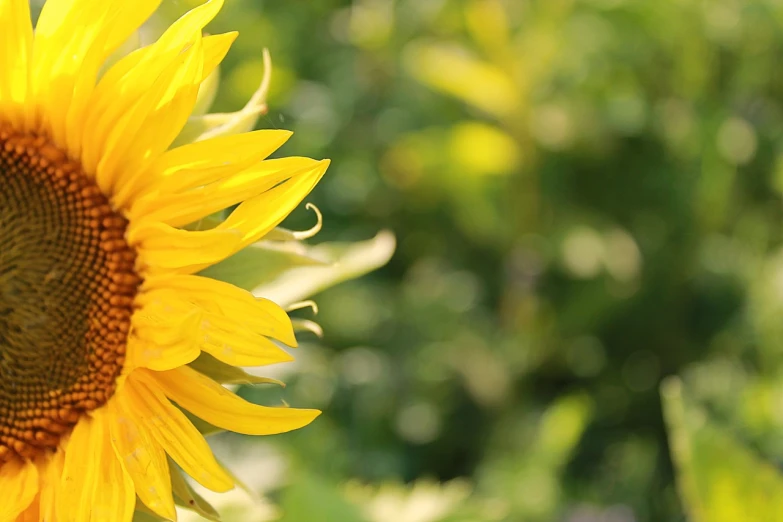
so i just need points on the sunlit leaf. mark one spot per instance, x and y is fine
(720, 479)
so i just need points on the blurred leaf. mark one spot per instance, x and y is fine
(262, 263)
(720, 479)
(514, 124)
(457, 72)
(561, 428)
(535, 467)
(311, 498)
(345, 261)
(488, 24)
(224, 374)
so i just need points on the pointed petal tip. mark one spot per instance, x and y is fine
(297, 418)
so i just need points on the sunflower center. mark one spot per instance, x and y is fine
(67, 285)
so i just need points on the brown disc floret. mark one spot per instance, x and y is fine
(67, 284)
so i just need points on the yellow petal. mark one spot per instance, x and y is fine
(174, 432)
(227, 340)
(58, 56)
(19, 484)
(216, 47)
(78, 476)
(161, 335)
(210, 401)
(187, 496)
(188, 207)
(259, 315)
(197, 165)
(143, 354)
(150, 123)
(51, 473)
(32, 513)
(66, 62)
(260, 214)
(141, 103)
(250, 220)
(193, 21)
(176, 38)
(207, 126)
(231, 339)
(95, 485)
(161, 247)
(144, 458)
(16, 40)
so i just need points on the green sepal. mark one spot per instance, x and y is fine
(144, 514)
(227, 374)
(185, 496)
(223, 373)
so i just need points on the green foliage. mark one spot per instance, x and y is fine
(721, 480)
(313, 498)
(527, 476)
(586, 196)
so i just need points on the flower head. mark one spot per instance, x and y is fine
(108, 334)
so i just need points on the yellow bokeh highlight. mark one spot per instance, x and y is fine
(455, 71)
(481, 149)
(488, 24)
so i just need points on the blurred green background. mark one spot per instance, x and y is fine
(587, 200)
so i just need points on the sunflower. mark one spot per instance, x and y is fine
(111, 343)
